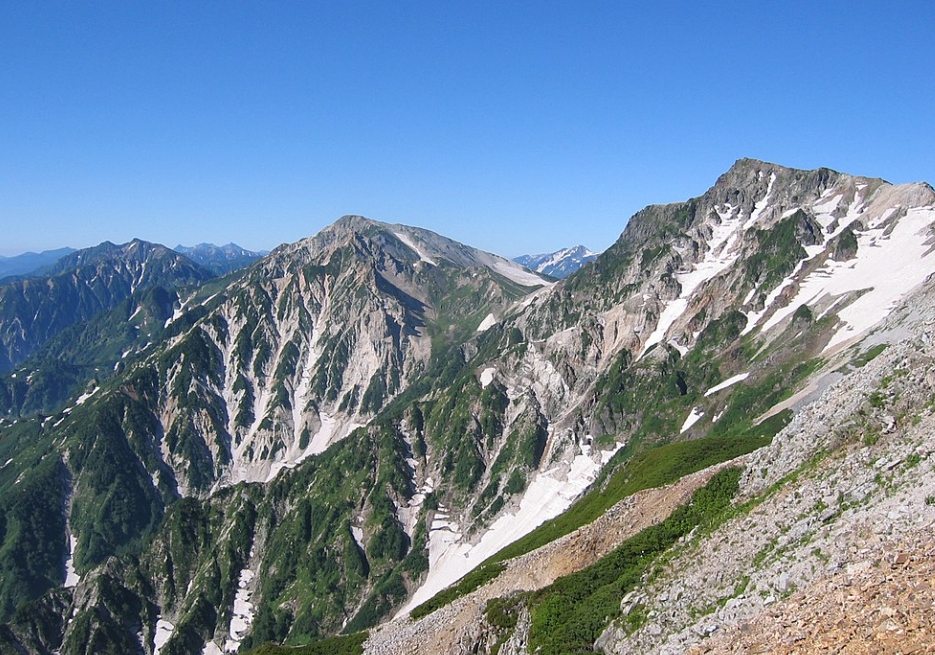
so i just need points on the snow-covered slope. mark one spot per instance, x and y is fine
(865, 244)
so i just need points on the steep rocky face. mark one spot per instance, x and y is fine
(827, 541)
(79, 286)
(765, 247)
(841, 497)
(745, 305)
(314, 341)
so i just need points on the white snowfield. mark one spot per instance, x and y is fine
(726, 383)
(164, 630)
(242, 618)
(488, 322)
(212, 648)
(486, 376)
(517, 273)
(889, 264)
(693, 417)
(405, 238)
(71, 576)
(549, 494)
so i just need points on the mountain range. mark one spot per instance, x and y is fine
(559, 264)
(380, 440)
(30, 261)
(220, 260)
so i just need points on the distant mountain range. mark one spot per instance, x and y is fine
(559, 264)
(79, 286)
(220, 260)
(31, 261)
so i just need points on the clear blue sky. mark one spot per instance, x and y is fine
(517, 127)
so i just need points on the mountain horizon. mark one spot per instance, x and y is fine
(382, 436)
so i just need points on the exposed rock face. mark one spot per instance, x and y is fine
(845, 488)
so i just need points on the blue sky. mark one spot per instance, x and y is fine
(517, 127)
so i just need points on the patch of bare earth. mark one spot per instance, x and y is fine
(885, 606)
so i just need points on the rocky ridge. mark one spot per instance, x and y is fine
(834, 496)
(81, 285)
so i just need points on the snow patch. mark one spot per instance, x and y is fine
(164, 630)
(683, 350)
(517, 273)
(720, 256)
(81, 400)
(488, 322)
(759, 207)
(71, 577)
(754, 317)
(693, 418)
(549, 494)
(409, 242)
(726, 383)
(887, 267)
(212, 648)
(243, 614)
(486, 376)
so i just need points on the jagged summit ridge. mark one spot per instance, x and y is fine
(79, 286)
(407, 243)
(711, 256)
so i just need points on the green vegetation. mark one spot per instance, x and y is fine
(32, 541)
(869, 355)
(748, 401)
(473, 580)
(779, 250)
(349, 645)
(652, 468)
(569, 615)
